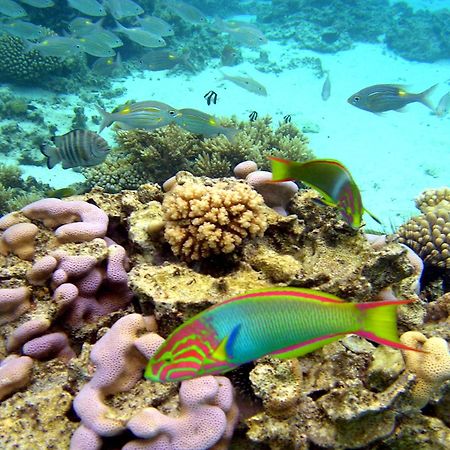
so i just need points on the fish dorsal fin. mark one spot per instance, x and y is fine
(303, 348)
(224, 351)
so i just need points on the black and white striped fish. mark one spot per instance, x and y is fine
(77, 148)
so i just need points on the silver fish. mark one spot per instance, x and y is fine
(247, 83)
(326, 88)
(443, 105)
(198, 122)
(11, 9)
(141, 36)
(24, 30)
(247, 36)
(38, 3)
(147, 115)
(187, 12)
(61, 47)
(89, 7)
(77, 148)
(104, 36)
(81, 26)
(155, 25)
(123, 8)
(95, 47)
(107, 66)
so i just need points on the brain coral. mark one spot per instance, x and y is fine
(203, 218)
(429, 233)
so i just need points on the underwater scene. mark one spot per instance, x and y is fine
(224, 225)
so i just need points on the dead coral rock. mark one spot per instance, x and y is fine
(177, 292)
(38, 417)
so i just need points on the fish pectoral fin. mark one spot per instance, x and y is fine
(224, 351)
(306, 347)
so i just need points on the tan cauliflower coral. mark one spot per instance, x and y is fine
(207, 217)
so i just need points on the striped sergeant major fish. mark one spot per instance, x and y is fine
(77, 148)
(147, 115)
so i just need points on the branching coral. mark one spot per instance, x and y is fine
(144, 156)
(206, 219)
(429, 233)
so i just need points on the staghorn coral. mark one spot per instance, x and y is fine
(204, 219)
(144, 156)
(429, 233)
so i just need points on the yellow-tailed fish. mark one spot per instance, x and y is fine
(77, 148)
(98, 33)
(120, 9)
(164, 59)
(88, 7)
(387, 97)
(247, 83)
(141, 37)
(38, 3)
(198, 122)
(187, 12)
(155, 25)
(281, 322)
(11, 9)
(58, 46)
(331, 179)
(147, 115)
(24, 30)
(95, 47)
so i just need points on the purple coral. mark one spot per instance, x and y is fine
(90, 221)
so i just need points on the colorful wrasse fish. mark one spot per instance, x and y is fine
(386, 97)
(331, 179)
(198, 122)
(77, 148)
(147, 115)
(281, 322)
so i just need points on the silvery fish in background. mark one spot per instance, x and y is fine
(155, 25)
(24, 30)
(387, 97)
(80, 26)
(38, 3)
(247, 83)
(58, 46)
(89, 7)
(11, 9)
(141, 36)
(77, 148)
(147, 115)
(120, 9)
(198, 122)
(187, 12)
(326, 88)
(107, 66)
(241, 32)
(95, 47)
(165, 59)
(443, 105)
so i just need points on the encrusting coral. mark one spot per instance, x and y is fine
(429, 233)
(203, 219)
(144, 156)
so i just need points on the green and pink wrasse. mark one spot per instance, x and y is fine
(331, 179)
(282, 322)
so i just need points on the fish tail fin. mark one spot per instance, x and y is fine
(107, 118)
(423, 97)
(280, 169)
(230, 133)
(51, 153)
(373, 217)
(380, 322)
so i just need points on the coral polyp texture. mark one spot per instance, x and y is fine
(204, 219)
(429, 233)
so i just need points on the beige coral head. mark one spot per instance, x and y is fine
(431, 198)
(244, 168)
(431, 366)
(19, 239)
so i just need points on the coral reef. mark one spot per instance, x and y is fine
(429, 233)
(88, 358)
(144, 156)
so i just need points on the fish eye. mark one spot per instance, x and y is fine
(172, 113)
(356, 98)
